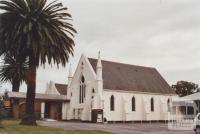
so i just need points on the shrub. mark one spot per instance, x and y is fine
(3, 114)
(6, 96)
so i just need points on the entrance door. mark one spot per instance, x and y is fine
(59, 111)
(97, 115)
(47, 110)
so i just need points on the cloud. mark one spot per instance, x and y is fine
(162, 34)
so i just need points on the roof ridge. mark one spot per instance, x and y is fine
(115, 62)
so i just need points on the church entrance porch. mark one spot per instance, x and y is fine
(53, 110)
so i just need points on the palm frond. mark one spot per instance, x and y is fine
(13, 69)
(33, 25)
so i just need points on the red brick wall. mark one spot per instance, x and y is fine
(18, 108)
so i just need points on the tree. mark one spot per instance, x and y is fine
(183, 88)
(39, 31)
(13, 70)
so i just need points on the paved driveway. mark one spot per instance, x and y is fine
(128, 128)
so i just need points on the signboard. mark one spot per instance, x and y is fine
(99, 118)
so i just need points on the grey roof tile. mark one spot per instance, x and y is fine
(119, 76)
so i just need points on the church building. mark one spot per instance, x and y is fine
(101, 90)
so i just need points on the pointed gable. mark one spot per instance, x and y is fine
(119, 76)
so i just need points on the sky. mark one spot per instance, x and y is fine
(164, 34)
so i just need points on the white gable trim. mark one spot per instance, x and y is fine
(90, 66)
(79, 63)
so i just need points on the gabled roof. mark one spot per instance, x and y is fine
(119, 76)
(61, 88)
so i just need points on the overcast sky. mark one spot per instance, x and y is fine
(159, 33)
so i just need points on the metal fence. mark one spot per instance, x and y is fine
(180, 122)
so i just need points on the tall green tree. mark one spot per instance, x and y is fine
(40, 31)
(13, 70)
(183, 88)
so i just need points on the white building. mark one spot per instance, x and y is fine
(104, 90)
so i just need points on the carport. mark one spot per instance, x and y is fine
(46, 105)
(194, 97)
(183, 111)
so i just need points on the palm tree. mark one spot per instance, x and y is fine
(14, 71)
(40, 31)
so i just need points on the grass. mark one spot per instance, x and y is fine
(13, 127)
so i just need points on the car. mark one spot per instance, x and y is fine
(196, 125)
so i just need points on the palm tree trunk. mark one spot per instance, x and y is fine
(15, 86)
(29, 118)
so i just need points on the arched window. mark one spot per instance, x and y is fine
(82, 79)
(93, 91)
(112, 103)
(152, 104)
(168, 105)
(133, 104)
(82, 90)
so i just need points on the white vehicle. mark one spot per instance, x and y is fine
(197, 124)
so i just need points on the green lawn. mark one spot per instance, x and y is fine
(13, 127)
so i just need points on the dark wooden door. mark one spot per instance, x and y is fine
(47, 110)
(96, 113)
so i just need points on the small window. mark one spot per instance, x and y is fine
(190, 110)
(80, 92)
(71, 93)
(82, 79)
(93, 91)
(152, 105)
(112, 103)
(133, 104)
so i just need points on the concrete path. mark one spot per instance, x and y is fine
(128, 128)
